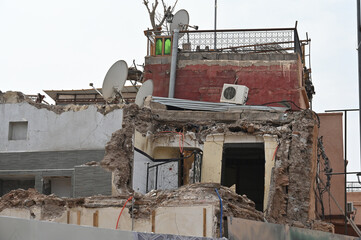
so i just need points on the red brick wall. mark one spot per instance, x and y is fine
(267, 81)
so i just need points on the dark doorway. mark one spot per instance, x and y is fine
(243, 166)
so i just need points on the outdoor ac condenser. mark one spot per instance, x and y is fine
(232, 93)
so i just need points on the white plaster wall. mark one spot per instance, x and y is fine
(140, 172)
(48, 131)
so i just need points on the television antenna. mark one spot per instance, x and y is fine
(114, 81)
(145, 90)
(180, 21)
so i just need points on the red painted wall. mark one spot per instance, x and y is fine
(268, 81)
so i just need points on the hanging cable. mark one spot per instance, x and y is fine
(181, 139)
(130, 198)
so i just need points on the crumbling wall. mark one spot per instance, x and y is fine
(57, 128)
(290, 195)
(119, 151)
(11, 97)
(51, 206)
(144, 209)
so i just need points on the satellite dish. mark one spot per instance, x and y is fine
(114, 80)
(180, 21)
(145, 90)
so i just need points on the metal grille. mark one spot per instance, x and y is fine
(238, 41)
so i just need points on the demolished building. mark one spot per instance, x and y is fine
(172, 156)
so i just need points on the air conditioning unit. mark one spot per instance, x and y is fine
(349, 207)
(232, 93)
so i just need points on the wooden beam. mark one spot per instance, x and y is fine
(204, 222)
(96, 218)
(68, 217)
(153, 221)
(78, 214)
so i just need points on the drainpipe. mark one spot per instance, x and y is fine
(173, 66)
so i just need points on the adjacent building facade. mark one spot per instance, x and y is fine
(47, 148)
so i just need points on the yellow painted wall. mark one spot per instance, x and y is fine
(166, 152)
(270, 145)
(212, 159)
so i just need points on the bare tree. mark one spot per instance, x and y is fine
(158, 20)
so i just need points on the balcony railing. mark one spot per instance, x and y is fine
(281, 40)
(353, 187)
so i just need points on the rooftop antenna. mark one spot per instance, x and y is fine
(114, 81)
(145, 90)
(215, 24)
(180, 21)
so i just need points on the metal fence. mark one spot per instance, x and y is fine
(280, 40)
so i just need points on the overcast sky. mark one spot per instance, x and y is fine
(67, 44)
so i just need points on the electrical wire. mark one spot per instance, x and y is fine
(130, 198)
(274, 154)
(181, 139)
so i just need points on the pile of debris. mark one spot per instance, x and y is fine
(189, 195)
(198, 194)
(51, 206)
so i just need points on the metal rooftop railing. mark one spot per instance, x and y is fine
(281, 40)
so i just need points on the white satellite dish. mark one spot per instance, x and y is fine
(180, 21)
(145, 90)
(114, 80)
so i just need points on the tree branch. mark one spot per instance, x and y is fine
(174, 5)
(146, 4)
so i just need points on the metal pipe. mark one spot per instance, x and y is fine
(341, 173)
(173, 67)
(156, 178)
(359, 59)
(215, 24)
(345, 170)
(240, 30)
(146, 185)
(133, 214)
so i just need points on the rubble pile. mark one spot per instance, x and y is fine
(51, 206)
(189, 195)
(12, 97)
(18, 97)
(198, 194)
